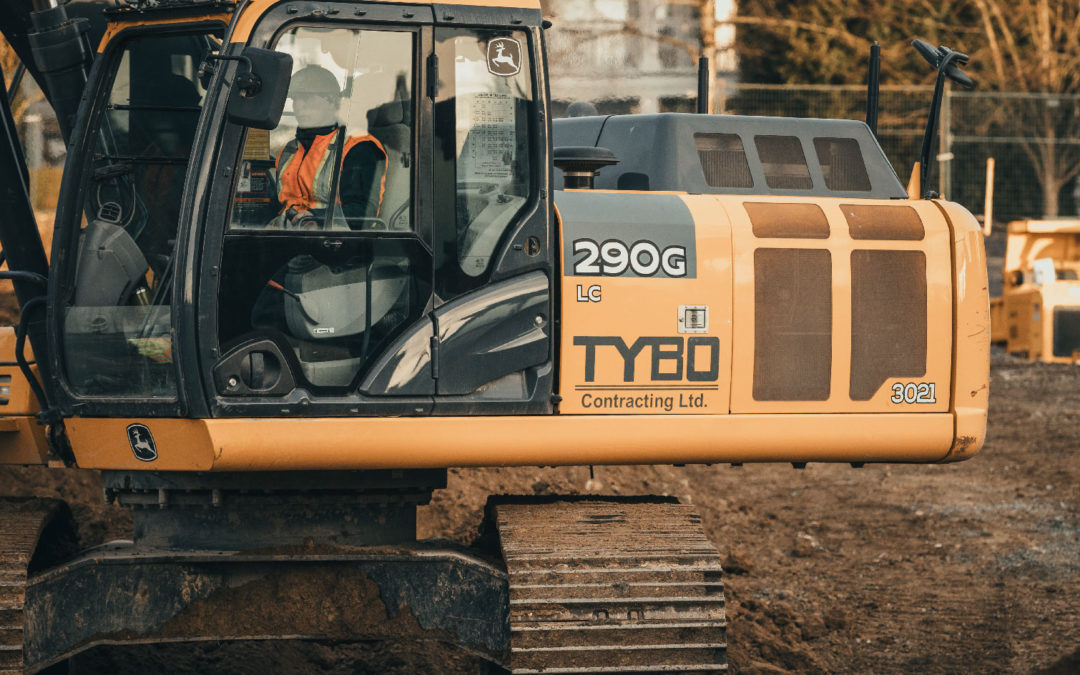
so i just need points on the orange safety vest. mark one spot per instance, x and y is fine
(305, 178)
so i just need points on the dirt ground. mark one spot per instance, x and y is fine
(971, 567)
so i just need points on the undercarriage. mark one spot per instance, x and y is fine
(556, 584)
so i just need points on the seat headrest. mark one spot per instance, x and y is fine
(394, 112)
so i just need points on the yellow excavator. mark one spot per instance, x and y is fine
(1038, 313)
(274, 337)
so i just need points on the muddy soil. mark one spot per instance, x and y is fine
(971, 567)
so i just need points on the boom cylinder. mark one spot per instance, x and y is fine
(62, 54)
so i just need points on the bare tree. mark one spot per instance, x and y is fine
(1029, 47)
(1033, 46)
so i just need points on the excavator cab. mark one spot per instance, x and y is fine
(327, 261)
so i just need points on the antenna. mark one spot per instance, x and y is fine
(703, 85)
(873, 86)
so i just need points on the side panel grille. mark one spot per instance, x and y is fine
(897, 223)
(723, 160)
(792, 324)
(789, 221)
(888, 318)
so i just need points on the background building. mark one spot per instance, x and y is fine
(635, 56)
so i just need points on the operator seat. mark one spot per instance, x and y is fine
(391, 124)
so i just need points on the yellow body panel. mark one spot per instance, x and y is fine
(406, 443)
(633, 307)
(840, 245)
(22, 439)
(971, 348)
(182, 444)
(729, 426)
(630, 307)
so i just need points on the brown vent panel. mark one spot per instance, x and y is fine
(784, 163)
(792, 324)
(888, 318)
(842, 164)
(897, 223)
(723, 160)
(788, 221)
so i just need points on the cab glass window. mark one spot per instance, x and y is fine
(341, 157)
(483, 117)
(320, 255)
(117, 325)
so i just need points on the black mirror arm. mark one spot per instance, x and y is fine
(948, 65)
(248, 82)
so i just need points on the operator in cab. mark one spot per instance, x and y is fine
(308, 173)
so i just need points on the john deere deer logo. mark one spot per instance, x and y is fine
(142, 442)
(504, 57)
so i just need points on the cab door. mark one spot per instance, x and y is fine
(317, 259)
(492, 231)
(114, 332)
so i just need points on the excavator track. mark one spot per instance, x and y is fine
(22, 523)
(611, 586)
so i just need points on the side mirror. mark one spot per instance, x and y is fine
(259, 89)
(947, 63)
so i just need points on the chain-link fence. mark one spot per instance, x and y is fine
(1033, 138)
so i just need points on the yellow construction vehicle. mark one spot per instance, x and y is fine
(1038, 313)
(273, 334)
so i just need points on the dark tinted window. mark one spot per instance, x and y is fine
(723, 160)
(341, 157)
(321, 255)
(842, 164)
(783, 162)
